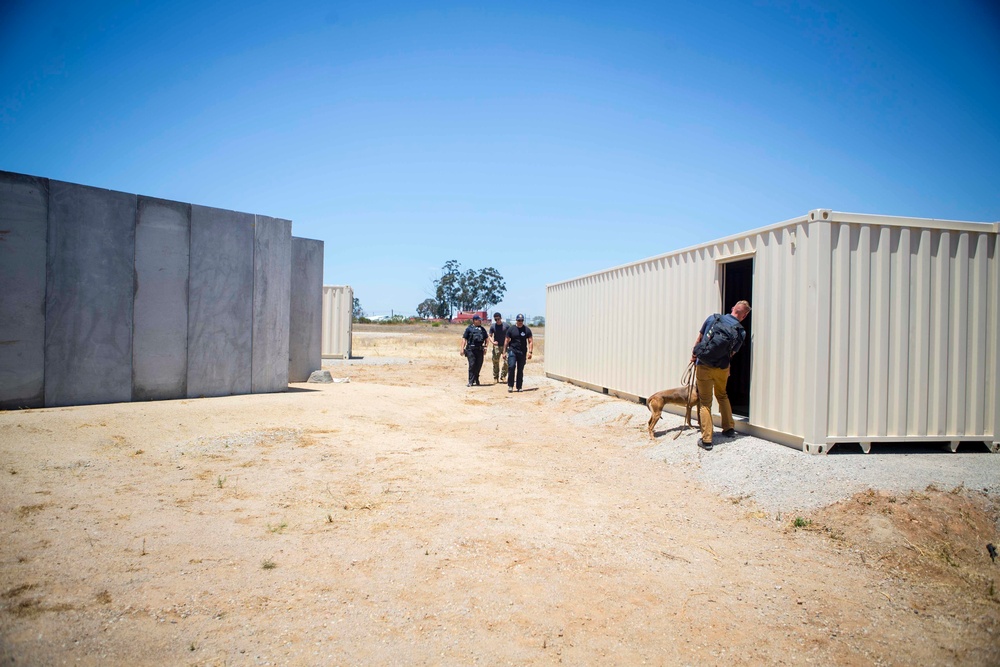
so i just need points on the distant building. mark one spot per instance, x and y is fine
(467, 315)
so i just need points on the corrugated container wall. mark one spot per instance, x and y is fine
(865, 328)
(338, 311)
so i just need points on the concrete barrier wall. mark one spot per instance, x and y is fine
(306, 314)
(220, 304)
(24, 214)
(107, 297)
(271, 295)
(160, 336)
(88, 303)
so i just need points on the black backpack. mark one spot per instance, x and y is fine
(717, 345)
(476, 337)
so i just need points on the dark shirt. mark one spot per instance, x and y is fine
(517, 338)
(499, 332)
(468, 337)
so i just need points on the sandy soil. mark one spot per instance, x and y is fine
(402, 518)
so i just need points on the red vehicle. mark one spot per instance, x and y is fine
(467, 315)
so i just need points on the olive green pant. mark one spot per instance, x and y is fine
(499, 364)
(713, 380)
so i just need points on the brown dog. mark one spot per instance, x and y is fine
(683, 396)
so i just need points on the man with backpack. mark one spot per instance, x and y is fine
(473, 346)
(721, 337)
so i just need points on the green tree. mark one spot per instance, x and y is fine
(428, 308)
(491, 287)
(443, 310)
(358, 310)
(446, 288)
(467, 290)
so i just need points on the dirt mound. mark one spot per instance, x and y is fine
(933, 545)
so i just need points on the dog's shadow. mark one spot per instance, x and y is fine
(678, 429)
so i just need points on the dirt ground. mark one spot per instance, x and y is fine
(402, 518)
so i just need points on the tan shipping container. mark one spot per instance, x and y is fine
(864, 328)
(338, 312)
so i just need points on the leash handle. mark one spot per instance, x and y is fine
(688, 380)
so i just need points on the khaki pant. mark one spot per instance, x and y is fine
(713, 380)
(499, 369)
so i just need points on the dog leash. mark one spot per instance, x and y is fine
(688, 380)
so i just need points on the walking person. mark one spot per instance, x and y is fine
(473, 347)
(498, 338)
(720, 337)
(519, 345)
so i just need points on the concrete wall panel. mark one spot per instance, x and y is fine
(23, 228)
(306, 315)
(88, 314)
(159, 339)
(271, 294)
(220, 302)
(109, 297)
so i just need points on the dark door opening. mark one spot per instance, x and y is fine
(737, 285)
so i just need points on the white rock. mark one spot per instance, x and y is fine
(322, 377)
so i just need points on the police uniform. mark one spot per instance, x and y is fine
(517, 353)
(473, 349)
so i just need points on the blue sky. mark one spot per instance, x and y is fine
(545, 139)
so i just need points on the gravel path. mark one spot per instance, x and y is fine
(782, 479)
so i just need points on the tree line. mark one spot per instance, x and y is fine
(458, 290)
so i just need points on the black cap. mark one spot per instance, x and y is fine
(520, 317)
(476, 317)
